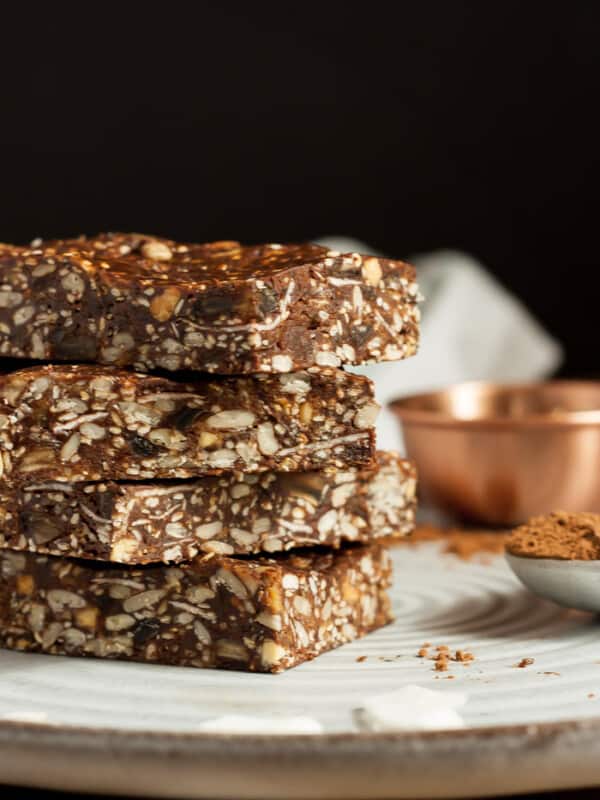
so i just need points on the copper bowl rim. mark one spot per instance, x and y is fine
(563, 419)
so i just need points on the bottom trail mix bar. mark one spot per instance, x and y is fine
(258, 615)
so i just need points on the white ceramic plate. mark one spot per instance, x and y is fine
(133, 729)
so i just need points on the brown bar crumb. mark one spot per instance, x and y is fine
(464, 656)
(360, 659)
(524, 662)
(142, 614)
(442, 656)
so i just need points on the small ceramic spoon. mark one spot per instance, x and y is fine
(574, 584)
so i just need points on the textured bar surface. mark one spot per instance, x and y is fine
(130, 299)
(80, 423)
(262, 615)
(137, 523)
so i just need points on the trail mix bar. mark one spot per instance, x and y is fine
(137, 523)
(80, 423)
(129, 299)
(261, 615)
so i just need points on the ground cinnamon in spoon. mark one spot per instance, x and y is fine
(560, 535)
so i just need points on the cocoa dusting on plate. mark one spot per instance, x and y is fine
(560, 535)
(463, 543)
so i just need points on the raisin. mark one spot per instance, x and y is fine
(105, 502)
(209, 306)
(269, 301)
(141, 446)
(38, 526)
(183, 418)
(360, 334)
(74, 346)
(302, 484)
(145, 630)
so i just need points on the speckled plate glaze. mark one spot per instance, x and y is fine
(129, 729)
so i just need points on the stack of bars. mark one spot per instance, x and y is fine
(223, 505)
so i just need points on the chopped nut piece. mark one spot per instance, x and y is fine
(306, 413)
(271, 654)
(371, 271)
(282, 363)
(156, 251)
(87, 617)
(231, 651)
(365, 417)
(119, 622)
(70, 447)
(163, 305)
(232, 420)
(267, 443)
(25, 584)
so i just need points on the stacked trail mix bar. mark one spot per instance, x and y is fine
(193, 479)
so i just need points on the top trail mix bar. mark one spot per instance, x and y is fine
(224, 308)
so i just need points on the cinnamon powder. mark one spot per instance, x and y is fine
(560, 535)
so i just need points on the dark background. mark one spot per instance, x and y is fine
(449, 124)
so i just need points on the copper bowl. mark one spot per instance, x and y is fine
(498, 454)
